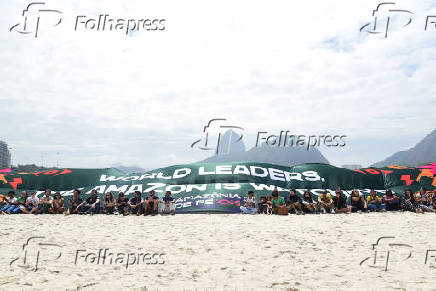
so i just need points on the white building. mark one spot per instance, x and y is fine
(5, 155)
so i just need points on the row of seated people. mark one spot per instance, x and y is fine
(92, 205)
(419, 202)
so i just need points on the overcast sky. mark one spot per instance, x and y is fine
(98, 98)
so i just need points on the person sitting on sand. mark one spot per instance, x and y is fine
(421, 201)
(151, 204)
(392, 201)
(167, 205)
(135, 203)
(10, 203)
(262, 205)
(109, 203)
(249, 206)
(325, 203)
(358, 203)
(45, 203)
(276, 201)
(308, 205)
(21, 202)
(409, 203)
(340, 202)
(433, 201)
(92, 204)
(123, 204)
(58, 204)
(374, 202)
(73, 205)
(294, 202)
(31, 206)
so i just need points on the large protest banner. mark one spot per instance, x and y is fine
(219, 187)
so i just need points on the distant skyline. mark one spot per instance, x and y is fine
(100, 98)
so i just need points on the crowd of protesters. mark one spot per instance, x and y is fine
(48, 204)
(419, 202)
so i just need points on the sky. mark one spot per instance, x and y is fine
(89, 99)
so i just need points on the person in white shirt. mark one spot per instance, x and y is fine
(31, 204)
(249, 206)
(11, 203)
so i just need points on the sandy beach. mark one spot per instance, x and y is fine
(213, 251)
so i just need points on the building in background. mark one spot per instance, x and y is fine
(5, 155)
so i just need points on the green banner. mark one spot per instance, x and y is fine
(219, 187)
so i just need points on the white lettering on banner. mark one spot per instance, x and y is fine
(293, 176)
(115, 188)
(233, 186)
(253, 171)
(131, 178)
(104, 178)
(155, 187)
(311, 176)
(133, 188)
(161, 176)
(224, 170)
(147, 176)
(241, 169)
(178, 175)
(202, 172)
(276, 174)
(264, 187)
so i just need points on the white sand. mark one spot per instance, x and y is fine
(212, 251)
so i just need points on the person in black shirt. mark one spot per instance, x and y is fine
(262, 205)
(358, 203)
(73, 205)
(151, 203)
(340, 202)
(135, 203)
(123, 204)
(91, 204)
(307, 203)
(167, 204)
(294, 202)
